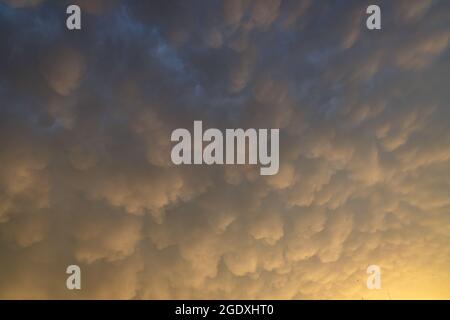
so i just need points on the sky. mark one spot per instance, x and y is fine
(85, 170)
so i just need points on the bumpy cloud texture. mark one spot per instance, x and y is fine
(86, 176)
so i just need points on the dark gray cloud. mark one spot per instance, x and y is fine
(86, 178)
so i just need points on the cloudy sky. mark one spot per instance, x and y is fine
(85, 170)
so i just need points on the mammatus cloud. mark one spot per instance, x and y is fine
(86, 177)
